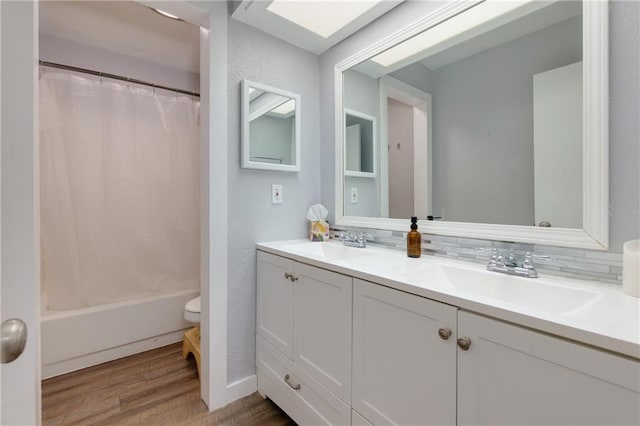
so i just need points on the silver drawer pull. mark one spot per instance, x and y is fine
(464, 343)
(288, 275)
(287, 380)
(294, 277)
(444, 333)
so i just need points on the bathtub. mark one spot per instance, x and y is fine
(80, 338)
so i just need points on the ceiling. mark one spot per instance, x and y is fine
(313, 25)
(124, 27)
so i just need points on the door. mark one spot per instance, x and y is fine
(322, 327)
(404, 357)
(557, 146)
(274, 313)
(512, 375)
(20, 287)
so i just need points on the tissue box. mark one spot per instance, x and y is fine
(318, 230)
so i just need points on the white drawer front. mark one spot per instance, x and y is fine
(311, 403)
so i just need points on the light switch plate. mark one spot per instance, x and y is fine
(354, 195)
(276, 194)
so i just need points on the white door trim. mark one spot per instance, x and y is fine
(212, 18)
(213, 215)
(20, 392)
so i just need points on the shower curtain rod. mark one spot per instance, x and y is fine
(116, 77)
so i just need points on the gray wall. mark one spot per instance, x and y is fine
(483, 126)
(624, 122)
(68, 52)
(361, 95)
(624, 64)
(256, 56)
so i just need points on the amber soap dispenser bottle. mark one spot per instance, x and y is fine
(414, 239)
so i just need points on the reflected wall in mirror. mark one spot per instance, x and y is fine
(480, 120)
(270, 128)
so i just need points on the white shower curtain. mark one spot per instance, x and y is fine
(119, 182)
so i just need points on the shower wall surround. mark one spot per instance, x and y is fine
(76, 53)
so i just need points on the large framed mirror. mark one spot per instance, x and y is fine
(270, 128)
(492, 121)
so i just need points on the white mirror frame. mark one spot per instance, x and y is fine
(245, 161)
(595, 113)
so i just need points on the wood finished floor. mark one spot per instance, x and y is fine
(156, 387)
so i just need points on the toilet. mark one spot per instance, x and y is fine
(191, 339)
(192, 311)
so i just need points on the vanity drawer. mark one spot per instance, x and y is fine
(311, 404)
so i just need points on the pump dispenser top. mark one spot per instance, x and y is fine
(414, 239)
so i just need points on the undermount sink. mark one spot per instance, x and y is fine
(331, 251)
(526, 292)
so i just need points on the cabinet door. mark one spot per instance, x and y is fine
(322, 312)
(512, 375)
(403, 372)
(274, 312)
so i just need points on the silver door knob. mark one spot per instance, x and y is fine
(288, 275)
(14, 338)
(444, 333)
(464, 343)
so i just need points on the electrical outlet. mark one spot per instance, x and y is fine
(354, 195)
(276, 194)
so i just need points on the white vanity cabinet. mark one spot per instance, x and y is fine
(404, 373)
(404, 357)
(305, 314)
(512, 375)
(334, 349)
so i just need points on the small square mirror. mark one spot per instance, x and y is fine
(270, 128)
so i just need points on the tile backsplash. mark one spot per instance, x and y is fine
(566, 262)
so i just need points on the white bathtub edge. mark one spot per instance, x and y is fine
(89, 360)
(81, 338)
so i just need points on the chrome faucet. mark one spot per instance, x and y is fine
(510, 264)
(353, 240)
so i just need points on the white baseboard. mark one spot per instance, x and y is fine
(69, 365)
(242, 388)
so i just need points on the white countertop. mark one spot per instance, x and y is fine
(609, 319)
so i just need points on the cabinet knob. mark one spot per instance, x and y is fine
(444, 333)
(290, 276)
(287, 380)
(464, 343)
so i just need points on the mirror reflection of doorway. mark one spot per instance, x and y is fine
(405, 150)
(400, 155)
